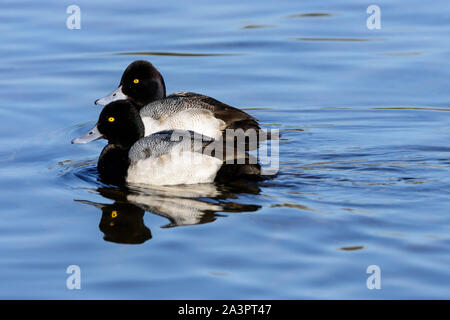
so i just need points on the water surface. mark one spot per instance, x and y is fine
(364, 155)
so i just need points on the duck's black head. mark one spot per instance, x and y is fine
(119, 123)
(141, 83)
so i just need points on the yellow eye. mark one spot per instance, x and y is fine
(111, 119)
(136, 80)
(114, 214)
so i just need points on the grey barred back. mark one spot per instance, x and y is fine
(164, 142)
(180, 101)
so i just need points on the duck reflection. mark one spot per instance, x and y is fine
(122, 221)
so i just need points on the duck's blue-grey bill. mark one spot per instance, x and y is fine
(92, 135)
(115, 95)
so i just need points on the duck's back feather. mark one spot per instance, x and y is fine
(188, 110)
(172, 157)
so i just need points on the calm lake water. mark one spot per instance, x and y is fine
(364, 155)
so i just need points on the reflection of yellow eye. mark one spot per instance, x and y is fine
(111, 119)
(111, 224)
(114, 214)
(136, 80)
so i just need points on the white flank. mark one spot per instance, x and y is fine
(199, 120)
(182, 167)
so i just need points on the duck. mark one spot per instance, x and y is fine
(143, 85)
(168, 157)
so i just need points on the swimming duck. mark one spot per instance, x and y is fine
(167, 157)
(142, 84)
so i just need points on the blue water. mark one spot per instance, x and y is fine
(364, 155)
